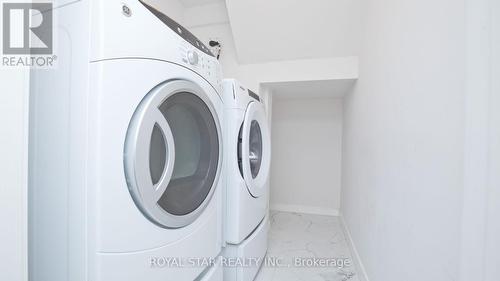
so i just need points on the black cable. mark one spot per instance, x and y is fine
(216, 44)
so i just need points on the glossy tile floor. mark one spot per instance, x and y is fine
(308, 238)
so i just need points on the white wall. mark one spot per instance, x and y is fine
(13, 172)
(404, 139)
(479, 194)
(492, 244)
(294, 29)
(208, 14)
(306, 155)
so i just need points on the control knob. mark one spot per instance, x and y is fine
(192, 57)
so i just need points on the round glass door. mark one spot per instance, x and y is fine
(255, 149)
(255, 153)
(173, 153)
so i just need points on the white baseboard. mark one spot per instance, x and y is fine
(360, 269)
(305, 209)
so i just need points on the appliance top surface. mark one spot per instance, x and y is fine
(135, 30)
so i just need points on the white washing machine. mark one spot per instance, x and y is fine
(248, 159)
(126, 155)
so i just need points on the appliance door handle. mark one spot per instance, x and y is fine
(162, 184)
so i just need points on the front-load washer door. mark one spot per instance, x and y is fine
(173, 153)
(255, 149)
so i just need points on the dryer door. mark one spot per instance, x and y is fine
(173, 153)
(255, 149)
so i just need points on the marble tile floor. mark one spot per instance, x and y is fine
(308, 238)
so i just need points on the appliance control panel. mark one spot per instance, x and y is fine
(179, 29)
(193, 53)
(205, 65)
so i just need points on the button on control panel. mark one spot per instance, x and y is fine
(192, 57)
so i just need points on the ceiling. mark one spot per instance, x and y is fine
(193, 3)
(310, 89)
(277, 30)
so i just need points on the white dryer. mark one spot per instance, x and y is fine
(248, 159)
(126, 156)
